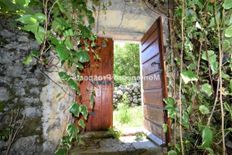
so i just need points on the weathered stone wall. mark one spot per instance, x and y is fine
(26, 94)
(132, 91)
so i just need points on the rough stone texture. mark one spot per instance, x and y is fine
(55, 113)
(126, 145)
(27, 89)
(132, 91)
(27, 146)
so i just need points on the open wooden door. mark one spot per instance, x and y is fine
(154, 81)
(100, 73)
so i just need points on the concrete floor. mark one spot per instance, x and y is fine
(125, 145)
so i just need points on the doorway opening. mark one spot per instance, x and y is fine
(127, 102)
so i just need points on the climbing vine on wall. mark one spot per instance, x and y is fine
(62, 28)
(200, 84)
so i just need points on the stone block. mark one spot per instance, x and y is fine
(4, 94)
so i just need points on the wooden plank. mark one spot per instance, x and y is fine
(155, 129)
(107, 90)
(152, 81)
(154, 114)
(149, 32)
(151, 66)
(151, 38)
(150, 52)
(153, 97)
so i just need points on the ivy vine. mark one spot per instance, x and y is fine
(199, 69)
(62, 28)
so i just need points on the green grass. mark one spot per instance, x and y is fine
(126, 116)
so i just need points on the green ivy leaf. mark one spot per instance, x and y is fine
(68, 43)
(227, 4)
(62, 52)
(80, 66)
(84, 111)
(212, 60)
(68, 33)
(40, 17)
(64, 76)
(35, 53)
(230, 86)
(228, 31)
(72, 131)
(82, 56)
(172, 152)
(170, 107)
(39, 34)
(61, 151)
(72, 84)
(74, 109)
(185, 120)
(207, 137)
(203, 109)
(81, 123)
(22, 2)
(207, 89)
(27, 60)
(228, 108)
(27, 19)
(188, 76)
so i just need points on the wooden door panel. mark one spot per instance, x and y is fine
(101, 117)
(154, 89)
(150, 31)
(151, 82)
(150, 52)
(154, 97)
(155, 129)
(153, 113)
(152, 38)
(151, 66)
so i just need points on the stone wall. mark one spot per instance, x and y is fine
(37, 105)
(132, 91)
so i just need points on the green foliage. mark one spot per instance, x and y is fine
(127, 116)
(211, 57)
(126, 62)
(123, 108)
(63, 27)
(172, 152)
(201, 114)
(75, 109)
(203, 109)
(115, 133)
(228, 32)
(170, 107)
(207, 137)
(227, 4)
(207, 89)
(188, 76)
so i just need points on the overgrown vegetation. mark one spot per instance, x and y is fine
(126, 116)
(62, 28)
(126, 63)
(200, 84)
(200, 64)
